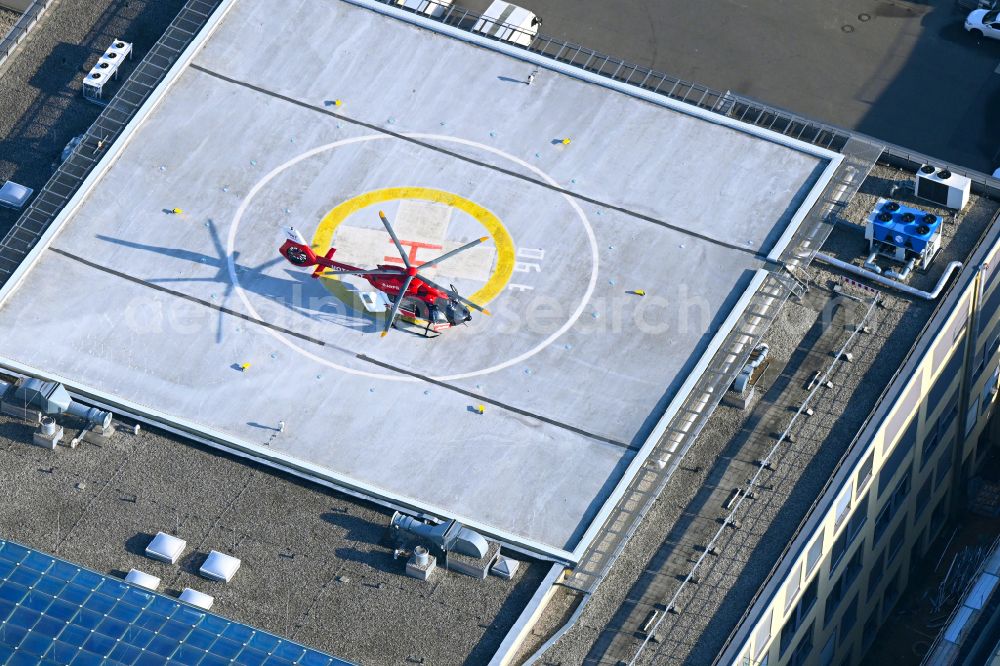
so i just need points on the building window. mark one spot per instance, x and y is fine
(803, 650)
(875, 577)
(850, 617)
(830, 649)
(930, 443)
(980, 366)
(971, 416)
(865, 472)
(924, 496)
(922, 546)
(798, 616)
(842, 542)
(833, 599)
(896, 542)
(982, 445)
(989, 350)
(840, 589)
(843, 506)
(895, 460)
(871, 630)
(792, 588)
(762, 635)
(815, 553)
(949, 377)
(949, 414)
(990, 391)
(892, 507)
(853, 568)
(882, 522)
(901, 491)
(891, 594)
(858, 519)
(787, 634)
(989, 305)
(940, 510)
(944, 466)
(808, 600)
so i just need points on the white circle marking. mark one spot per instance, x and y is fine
(234, 228)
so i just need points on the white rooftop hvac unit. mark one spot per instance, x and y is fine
(105, 69)
(942, 187)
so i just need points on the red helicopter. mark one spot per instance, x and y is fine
(414, 296)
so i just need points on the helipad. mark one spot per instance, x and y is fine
(319, 115)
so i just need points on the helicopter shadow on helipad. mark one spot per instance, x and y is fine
(324, 309)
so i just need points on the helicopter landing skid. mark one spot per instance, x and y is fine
(418, 326)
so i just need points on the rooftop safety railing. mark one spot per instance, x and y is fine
(24, 25)
(67, 179)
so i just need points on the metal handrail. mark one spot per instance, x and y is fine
(24, 25)
(724, 103)
(889, 387)
(99, 136)
(752, 482)
(973, 581)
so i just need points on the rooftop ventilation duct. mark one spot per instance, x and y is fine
(451, 536)
(50, 399)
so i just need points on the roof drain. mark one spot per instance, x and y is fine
(892, 284)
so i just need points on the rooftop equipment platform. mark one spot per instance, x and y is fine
(183, 311)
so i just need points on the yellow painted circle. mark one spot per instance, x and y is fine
(323, 238)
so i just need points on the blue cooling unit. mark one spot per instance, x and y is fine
(907, 235)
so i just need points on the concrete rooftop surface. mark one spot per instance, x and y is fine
(307, 119)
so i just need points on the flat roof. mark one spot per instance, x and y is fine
(805, 339)
(323, 578)
(307, 118)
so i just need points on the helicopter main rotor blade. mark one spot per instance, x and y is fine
(395, 305)
(372, 271)
(448, 255)
(399, 246)
(455, 294)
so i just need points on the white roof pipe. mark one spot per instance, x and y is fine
(893, 284)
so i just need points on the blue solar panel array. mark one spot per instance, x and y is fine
(53, 612)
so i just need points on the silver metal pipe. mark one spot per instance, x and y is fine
(892, 284)
(901, 274)
(93, 415)
(870, 262)
(909, 268)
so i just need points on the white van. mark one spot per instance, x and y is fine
(509, 23)
(501, 20)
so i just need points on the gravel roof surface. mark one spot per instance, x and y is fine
(7, 20)
(314, 567)
(711, 609)
(41, 104)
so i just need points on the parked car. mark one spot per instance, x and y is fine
(977, 4)
(496, 18)
(983, 23)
